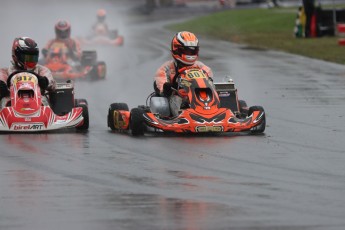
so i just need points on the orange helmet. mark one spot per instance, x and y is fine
(101, 13)
(185, 47)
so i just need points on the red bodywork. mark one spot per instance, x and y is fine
(25, 112)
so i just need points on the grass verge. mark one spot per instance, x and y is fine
(264, 28)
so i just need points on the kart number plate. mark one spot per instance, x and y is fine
(203, 129)
(196, 74)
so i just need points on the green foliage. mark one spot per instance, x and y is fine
(264, 28)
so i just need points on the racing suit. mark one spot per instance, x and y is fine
(39, 70)
(168, 72)
(100, 28)
(73, 46)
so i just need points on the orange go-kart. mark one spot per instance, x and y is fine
(63, 67)
(209, 107)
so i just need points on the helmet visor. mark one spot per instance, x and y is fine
(29, 60)
(62, 33)
(189, 50)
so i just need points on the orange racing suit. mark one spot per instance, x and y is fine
(169, 71)
(100, 28)
(72, 45)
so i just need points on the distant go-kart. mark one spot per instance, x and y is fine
(103, 38)
(63, 67)
(211, 107)
(25, 111)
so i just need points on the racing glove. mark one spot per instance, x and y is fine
(167, 89)
(43, 82)
(44, 52)
(4, 92)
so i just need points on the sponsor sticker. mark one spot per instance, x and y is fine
(19, 127)
(203, 129)
(224, 94)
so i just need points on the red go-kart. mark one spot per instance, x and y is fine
(209, 107)
(27, 110)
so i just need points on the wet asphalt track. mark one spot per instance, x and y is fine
(291, 178)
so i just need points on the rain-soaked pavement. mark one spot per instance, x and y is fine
(292, 177)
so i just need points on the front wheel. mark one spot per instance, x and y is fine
(261, 127)
(85, 125)
(243, 108)
(111, 110)
(137, 122)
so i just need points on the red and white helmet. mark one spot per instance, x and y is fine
(62, 29)
(25, 53)
(185, 47)
(101, 13)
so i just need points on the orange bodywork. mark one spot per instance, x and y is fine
(102, 41)
(121, 119)
(190, 121)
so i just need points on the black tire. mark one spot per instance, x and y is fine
(80, 101)
(85, 125)
(99, 71)
(261, 127)
(137, 122)
(243, 107)
(112, 108)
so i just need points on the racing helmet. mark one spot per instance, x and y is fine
(25, 53)
(185, 47)
(62, 29)
(101, 13)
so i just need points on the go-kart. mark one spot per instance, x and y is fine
(100, 37)
(27, 110)
(63, 67)
(209, 107)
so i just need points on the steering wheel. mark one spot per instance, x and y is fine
(19, 71)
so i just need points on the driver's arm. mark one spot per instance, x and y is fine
(45, 72)
(3, 83)
(162, 76)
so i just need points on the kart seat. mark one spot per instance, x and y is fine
(26, 93)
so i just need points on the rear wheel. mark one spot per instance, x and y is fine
(112, 108)
(85, 125)
(81, 101)
(261, 127)
(137, 123)
(243, 107)
(99, 71)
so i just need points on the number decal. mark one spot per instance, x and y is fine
(24, 78)
(196, 74)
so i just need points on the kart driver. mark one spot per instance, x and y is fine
(25, 54)
(100, 27)
(185, 52)
(63, 35)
